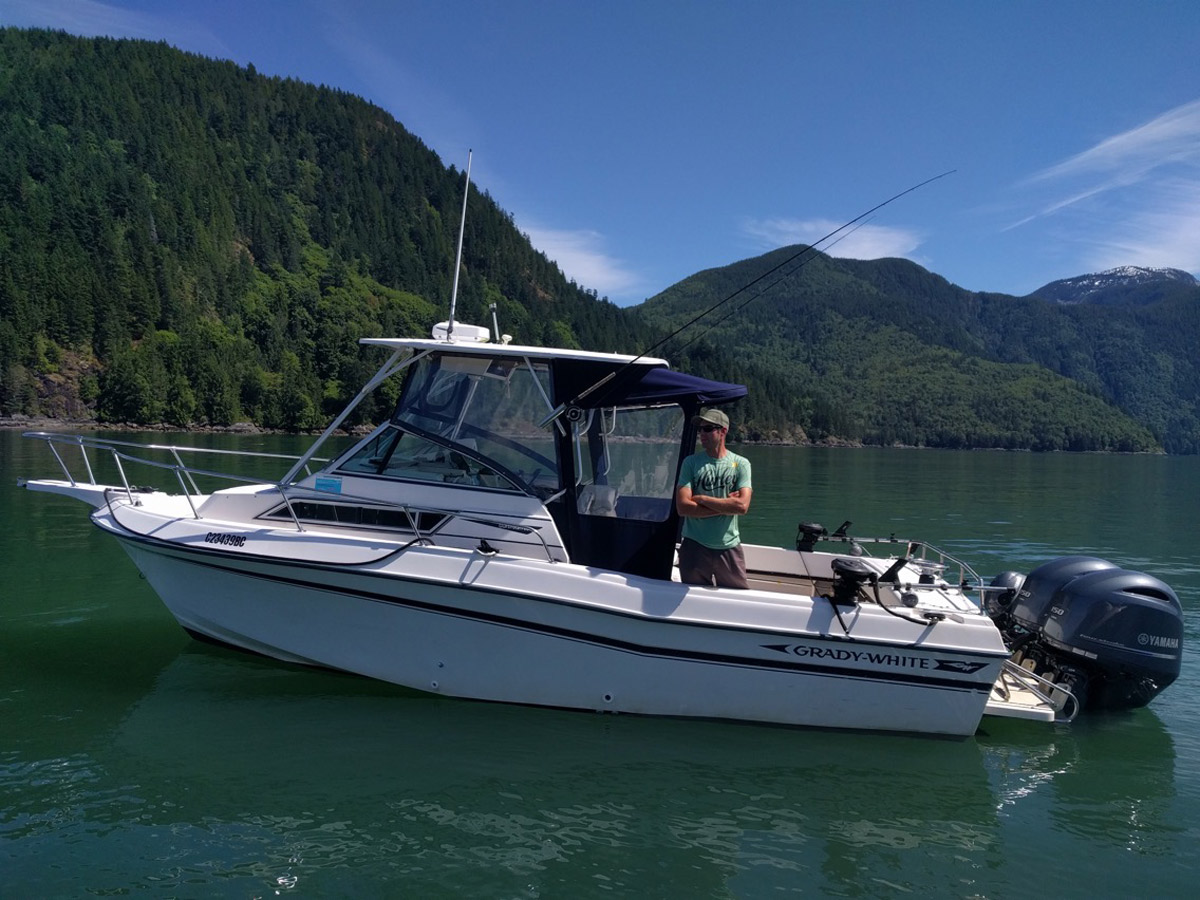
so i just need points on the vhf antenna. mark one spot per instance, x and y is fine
(462, 222)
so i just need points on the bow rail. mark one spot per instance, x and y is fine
(121, 452)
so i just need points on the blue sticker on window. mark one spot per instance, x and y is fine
(329, 484)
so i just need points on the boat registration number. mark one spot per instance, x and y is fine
(227, 540)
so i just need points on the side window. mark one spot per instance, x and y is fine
(625, 460)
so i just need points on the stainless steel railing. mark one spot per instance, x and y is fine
(121, 452)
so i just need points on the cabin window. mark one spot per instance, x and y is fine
(358, 516)
(625, 462)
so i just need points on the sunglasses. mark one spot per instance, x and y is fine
(707, 428)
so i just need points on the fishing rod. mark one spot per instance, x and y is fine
(810, 249)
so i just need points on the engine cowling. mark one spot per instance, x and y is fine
(1032, 603)
(1128, 625)
(1114, 635)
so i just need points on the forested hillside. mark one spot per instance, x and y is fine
(184, 241)
(888, 352)
(1138, 355)
(193, 242)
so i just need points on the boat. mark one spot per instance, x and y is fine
(509, 534)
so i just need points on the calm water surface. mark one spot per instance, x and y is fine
(136, 762)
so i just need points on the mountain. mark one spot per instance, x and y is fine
(886, 352)
(185, 241)
(1123, 286)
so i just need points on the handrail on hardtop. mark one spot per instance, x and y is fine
(286, 490)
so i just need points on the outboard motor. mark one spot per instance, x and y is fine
(998, 603)
(1032, 602)
(1112, 637)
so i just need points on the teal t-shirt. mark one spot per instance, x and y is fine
(714, 478)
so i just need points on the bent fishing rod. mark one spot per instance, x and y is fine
(808, 253)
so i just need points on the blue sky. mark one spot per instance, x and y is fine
(639, 142)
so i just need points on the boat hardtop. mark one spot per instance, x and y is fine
(473, 344)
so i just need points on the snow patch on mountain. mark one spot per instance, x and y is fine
(1083, 287)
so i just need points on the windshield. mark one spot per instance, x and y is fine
(469, 420)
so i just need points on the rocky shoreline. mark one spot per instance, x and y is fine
(42, 423)
(45, 423)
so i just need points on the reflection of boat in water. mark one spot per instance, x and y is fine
(219, 720)
(276, 762)
(1108, 780)
(234, 773)
(508, 534)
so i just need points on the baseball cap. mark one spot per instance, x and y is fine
(712, 417)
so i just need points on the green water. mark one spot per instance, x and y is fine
(136, 762)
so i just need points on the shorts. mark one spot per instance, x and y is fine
(701, 565)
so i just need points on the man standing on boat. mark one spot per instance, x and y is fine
(713, 490)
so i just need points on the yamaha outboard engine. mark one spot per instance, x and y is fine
(1112, 637)
(998, 601)
(1032, 602)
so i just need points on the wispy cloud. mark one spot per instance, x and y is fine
(416, 101)
(1128, 157)
(581, 256)
(866, 241)
(1130, 199)
(92, 18)
(1163, 233)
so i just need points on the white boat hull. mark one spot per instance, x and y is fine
(498, 628)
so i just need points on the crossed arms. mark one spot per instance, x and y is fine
(701, 506)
